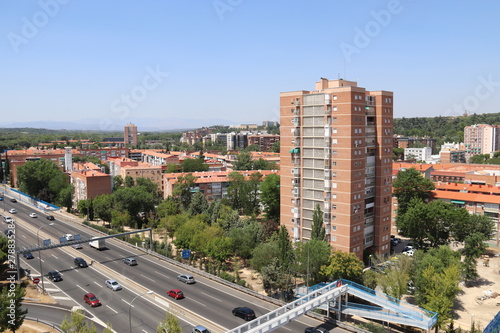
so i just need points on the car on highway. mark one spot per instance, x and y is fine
(69, 237)
(91, 300)
(316, 330)
(28, 255)
(80, 262)
(200, 329)
(1, 198)
(12, 211)
(33, 215)
(8, 219)
(244, 313)
(13, 200)
(186, 278)
(175, 293)
(113, 285)
(77, 246)
(50, 217)
(54, 276)
(8, 232)
(130, 261)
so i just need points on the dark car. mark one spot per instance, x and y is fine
(8, 232)
(91, 299)
(80, 262)
(54, 276)
(13, 200)
(316, 330)
(1, 198)
(175, 293)
(28, 255)
(50, 218)
(244, 313)
(130, 261)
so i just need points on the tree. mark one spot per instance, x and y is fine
(243, 161)
(246, 238)
(11, 310)
(318, 229)
(310, 257)
(464, 227)
(198, 205)
(193, 165)
(237, 191)
(286, 255)
(169, 325)
(134, 200)
(42, 179)
(117, 182)
(275, 147)
(77, 323)
(394, 279)
(430, 224)
(342, 265)
(129, 181)
(103, 206)
(270, 196)
(252, 206)
(410, 184)
(86, 207)
(168, 207)
(262, 164)
(264, 253)
(65, 197)
(182, 189)
(185, 234)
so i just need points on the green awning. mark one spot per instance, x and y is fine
(294, 151)
(458, 202)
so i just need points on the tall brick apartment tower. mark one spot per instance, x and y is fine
(130, 135)
(336, 151)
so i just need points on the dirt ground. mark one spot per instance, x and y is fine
(469, 307)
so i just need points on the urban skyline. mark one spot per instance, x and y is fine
(104, 65)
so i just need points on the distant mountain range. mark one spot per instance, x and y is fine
(143, 124)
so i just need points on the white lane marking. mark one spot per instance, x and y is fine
(97, 284)
(64, 298)
(55, 257)
(127, 303)
(23, 236)
(150, 279)
(211, 296)
(81, 288)
(112, 309)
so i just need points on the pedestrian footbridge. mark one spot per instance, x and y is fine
(338, 297)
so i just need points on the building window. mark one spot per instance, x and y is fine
(334, 97)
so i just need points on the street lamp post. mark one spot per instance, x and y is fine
(39, 252)
(130, 308)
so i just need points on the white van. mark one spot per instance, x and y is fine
(8, 219)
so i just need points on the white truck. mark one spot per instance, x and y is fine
(98, 244)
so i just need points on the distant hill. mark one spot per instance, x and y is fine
(449, 129)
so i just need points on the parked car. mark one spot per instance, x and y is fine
(50, 217)
(113, 285)
(13, 200)
(244, 313)
(33, 215)
(91, 299)
(130, 261)
(80, 262)
(54, 276)
(28, 255)
(12, 211)
(316, 330)
(186, 278)
(409, 253)
(200, 329)
(408, 248)
(175, 293)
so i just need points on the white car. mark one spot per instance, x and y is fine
(113, 285)
(33, 215)
(409, 252)
(12, 211)
(69, 237)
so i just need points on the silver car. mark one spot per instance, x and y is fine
(186, 278)
(113, 285)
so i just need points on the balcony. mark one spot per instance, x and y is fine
(296, 172)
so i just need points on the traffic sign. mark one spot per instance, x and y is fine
(36, 280)
(186, 254)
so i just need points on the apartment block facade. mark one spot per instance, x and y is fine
(130, 135)
(336, 152)
(481, 139)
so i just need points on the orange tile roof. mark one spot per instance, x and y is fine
(472, 197)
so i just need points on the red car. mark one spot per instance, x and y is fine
(91, 300)
(175, 293)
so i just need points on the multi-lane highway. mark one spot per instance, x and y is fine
(207, 302)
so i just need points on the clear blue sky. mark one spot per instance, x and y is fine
(226, 61)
